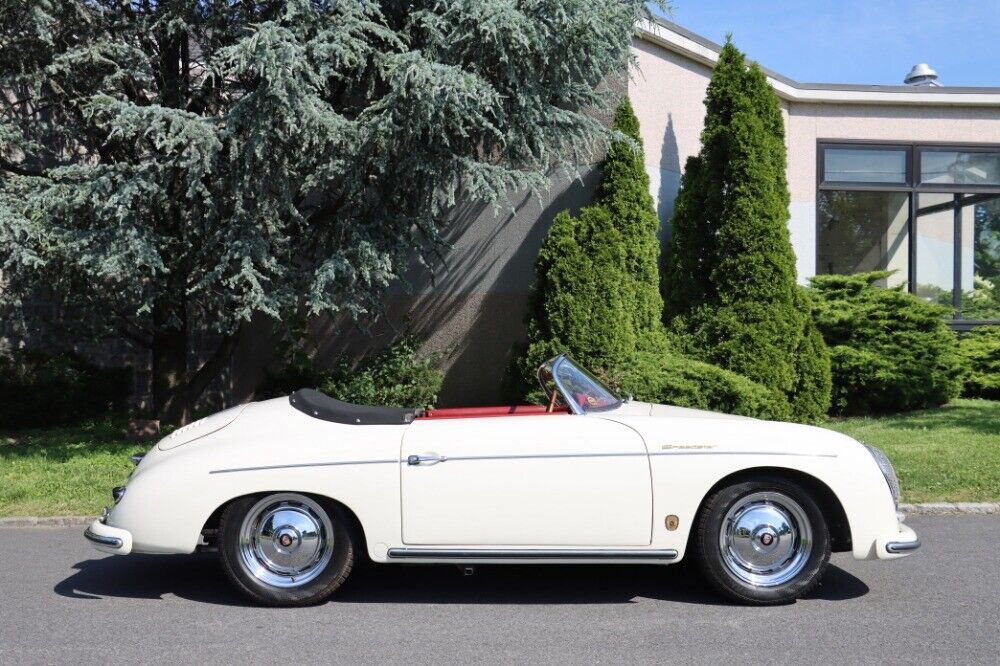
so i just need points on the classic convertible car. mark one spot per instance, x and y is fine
(292, 491)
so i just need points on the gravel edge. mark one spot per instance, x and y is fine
(46, 521)
(924, 509)
(952, 508)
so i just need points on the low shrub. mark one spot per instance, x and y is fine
(890, 351)
(675, 380)
(39, 389)
(980, 348)
(397, 377)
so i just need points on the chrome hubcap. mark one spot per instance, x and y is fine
(286, 540)
(765, 539)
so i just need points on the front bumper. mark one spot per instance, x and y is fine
(899, 544)
(109, 539)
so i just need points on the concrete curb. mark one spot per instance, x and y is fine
(925, 509)
(46, 521)
(952, 508)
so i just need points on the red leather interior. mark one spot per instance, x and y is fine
(479, 412)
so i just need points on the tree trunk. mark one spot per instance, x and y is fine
(171, 400)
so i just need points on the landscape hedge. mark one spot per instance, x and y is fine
(980, 348)
(890, 351)
(397, 376)
(675, 380)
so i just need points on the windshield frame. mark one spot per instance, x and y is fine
(551, 368)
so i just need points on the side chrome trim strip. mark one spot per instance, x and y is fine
(112, 542)
(902, 546)
(297, 465)
(615, 454)
(530, 554)
(531, 456)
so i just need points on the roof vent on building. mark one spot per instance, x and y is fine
(922, 75)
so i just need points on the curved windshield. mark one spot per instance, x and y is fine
(580, 390)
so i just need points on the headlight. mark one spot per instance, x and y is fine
(887, 471)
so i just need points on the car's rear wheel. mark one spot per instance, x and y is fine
(286, 549)
(762, 541)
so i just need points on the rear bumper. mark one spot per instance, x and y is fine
(899, 544)
(109, 539)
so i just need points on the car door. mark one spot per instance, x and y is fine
(540, 480)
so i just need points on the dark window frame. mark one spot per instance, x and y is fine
(912, 188)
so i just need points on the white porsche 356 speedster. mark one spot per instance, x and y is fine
(292, 491)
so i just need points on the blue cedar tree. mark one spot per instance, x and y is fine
(179, 166)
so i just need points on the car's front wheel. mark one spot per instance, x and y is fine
(286, 549)
(762, 541)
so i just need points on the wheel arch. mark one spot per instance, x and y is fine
(829, 503)
(211, 526)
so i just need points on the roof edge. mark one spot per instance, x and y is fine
(675, 38)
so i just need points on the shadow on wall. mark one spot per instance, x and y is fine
(469, 304)
(669, 179)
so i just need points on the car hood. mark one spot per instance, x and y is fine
(666, 427)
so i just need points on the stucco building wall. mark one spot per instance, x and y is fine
(668, 91)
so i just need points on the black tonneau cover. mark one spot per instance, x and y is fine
(321, 406)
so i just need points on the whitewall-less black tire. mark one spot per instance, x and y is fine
(762, 541)
(286, 549)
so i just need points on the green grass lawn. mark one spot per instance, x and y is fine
(950, 454)
(64, 470)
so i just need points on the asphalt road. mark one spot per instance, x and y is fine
(64, 603)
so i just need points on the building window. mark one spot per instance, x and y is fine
(862, 165)
(930, 213)
(959, 167)
(863, 231)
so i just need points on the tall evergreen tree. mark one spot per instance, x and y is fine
(596, 293)
(729, 270)
(173, 166)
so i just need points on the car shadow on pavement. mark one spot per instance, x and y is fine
(200, 578)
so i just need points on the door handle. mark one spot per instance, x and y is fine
(425, 460)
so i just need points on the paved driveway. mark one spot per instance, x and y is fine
(64, 603)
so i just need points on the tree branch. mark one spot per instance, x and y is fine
(200, 380)
(134, 338)
(20, 170)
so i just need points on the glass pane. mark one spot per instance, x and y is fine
(935, 231)
(584, 389)
(981, 259)
(953, 167)
(863, 231)
(864, 165)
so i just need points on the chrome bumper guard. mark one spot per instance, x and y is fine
(109, 541)
(902, 546)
